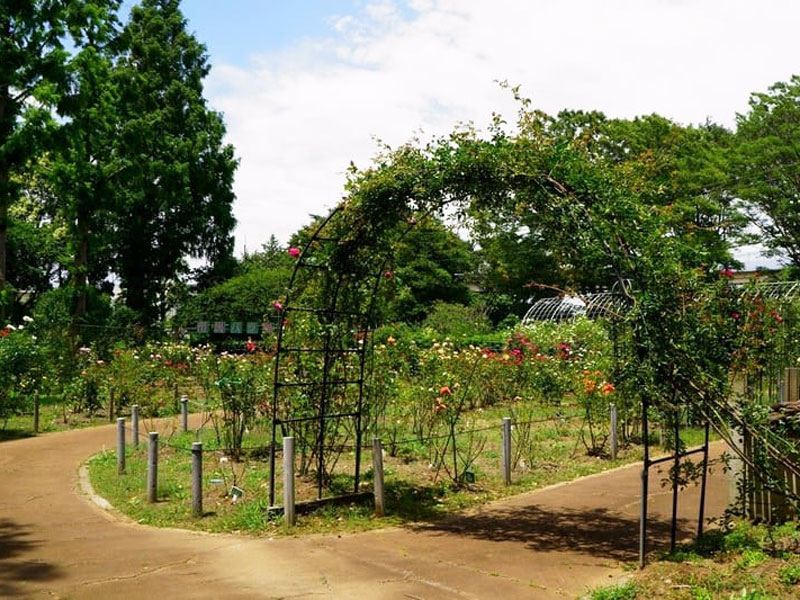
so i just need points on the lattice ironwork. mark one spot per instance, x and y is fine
(324, 335)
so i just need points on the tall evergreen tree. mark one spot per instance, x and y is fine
(176, 193)
(85, 165)
(31, 60)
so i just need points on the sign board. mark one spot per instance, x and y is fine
(202, 327)
(219, 327)
(236, 327)
(268, 327)
(252, 327)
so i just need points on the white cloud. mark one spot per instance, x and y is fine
(298, 117)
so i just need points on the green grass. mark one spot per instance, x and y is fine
(53, 416)
(413, 492)
(625, 591)
(751, 562)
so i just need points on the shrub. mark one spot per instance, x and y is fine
(457, 320)
(20, 370)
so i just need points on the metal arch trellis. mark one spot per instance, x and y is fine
(357, 320)
(320, 385)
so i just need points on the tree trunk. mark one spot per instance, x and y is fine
(5, 199)
(80, 277)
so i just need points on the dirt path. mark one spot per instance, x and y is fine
(55, 543)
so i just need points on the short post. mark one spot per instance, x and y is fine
(152, 467)
(507, 450)
(614, 441)
(120, 445)
(288, 481)
(184, 414)
(135, 425)
(197, 479)
(36, 413)
(377, 476)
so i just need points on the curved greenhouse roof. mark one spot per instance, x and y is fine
(614, 304)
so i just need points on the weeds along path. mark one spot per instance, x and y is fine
(554, 543)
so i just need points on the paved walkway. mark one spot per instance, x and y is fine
(554, 543)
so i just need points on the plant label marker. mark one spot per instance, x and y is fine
(236, 493)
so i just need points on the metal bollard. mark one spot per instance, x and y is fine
(377, 476)
(288, 482)
(184, 413)
(152, 467)
(197, 479)
(614, 442)
(135, 425)
(507, 450)
(120, 445)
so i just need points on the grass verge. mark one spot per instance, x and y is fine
(414, 491)
(754, 562)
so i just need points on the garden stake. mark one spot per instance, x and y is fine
(675, 478)
(197, 479)
(152, 467)
(507, 450)
(111, 406)
(36, 413)
(120, 445)
(613, 432)
(288, 481)
(135, 425)
(184, 414)
(377, 476)
(645, 469)
(703, 484)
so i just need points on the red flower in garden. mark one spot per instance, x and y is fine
(439, 405)
(294, 252)
(726, 273)
(608, 388)
(5, 332)
(388, 275)
(445, 391)
(777, 316)
(277, 306)
(250, 346)
(735, 315)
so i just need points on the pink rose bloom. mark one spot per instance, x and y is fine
(294, 252)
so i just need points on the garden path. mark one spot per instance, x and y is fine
(553, 543)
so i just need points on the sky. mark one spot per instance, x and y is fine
(307, 86)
